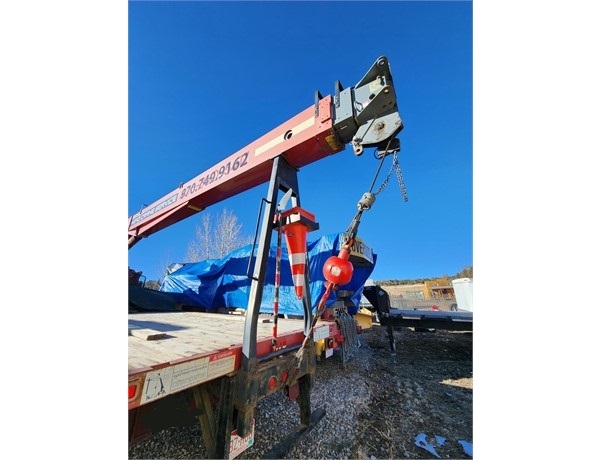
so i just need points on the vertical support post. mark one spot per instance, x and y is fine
(206, 420)
(283, 178)
(391, 337)
(225, 416)
(216, 430)
(304, 399)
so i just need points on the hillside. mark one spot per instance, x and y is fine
(409, 296)
(396, 290)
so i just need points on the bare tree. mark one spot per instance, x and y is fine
(467, 272)
(216, 238)
(153, 284)
(164, 264)
(200, 248)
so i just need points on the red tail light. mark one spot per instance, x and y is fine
(271, 382)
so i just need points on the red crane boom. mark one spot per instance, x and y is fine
(365, 115)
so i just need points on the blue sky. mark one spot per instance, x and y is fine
(207, 78)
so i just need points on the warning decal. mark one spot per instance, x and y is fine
(178, 377)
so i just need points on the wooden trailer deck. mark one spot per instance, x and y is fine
(172, 351)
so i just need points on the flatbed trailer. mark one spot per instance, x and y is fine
(419, 319)
(210, 344)
(185, 365)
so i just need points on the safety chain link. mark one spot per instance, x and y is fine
(351, 342)
(400, 178)
(395, 166)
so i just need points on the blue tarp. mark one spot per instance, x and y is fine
(223, 283)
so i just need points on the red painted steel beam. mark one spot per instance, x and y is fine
(304, 139)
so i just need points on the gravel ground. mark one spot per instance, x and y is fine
(409, 404)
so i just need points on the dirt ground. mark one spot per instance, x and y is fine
(383, 404)
(423, 390)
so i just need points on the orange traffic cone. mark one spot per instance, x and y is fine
(300, 222)
(296, 240)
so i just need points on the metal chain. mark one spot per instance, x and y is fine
(348, 329)
(395, 166)
(400, 178)
(385, 182)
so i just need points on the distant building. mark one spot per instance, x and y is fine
(440, 288)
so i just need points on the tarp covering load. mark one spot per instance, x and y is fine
(223, 283)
